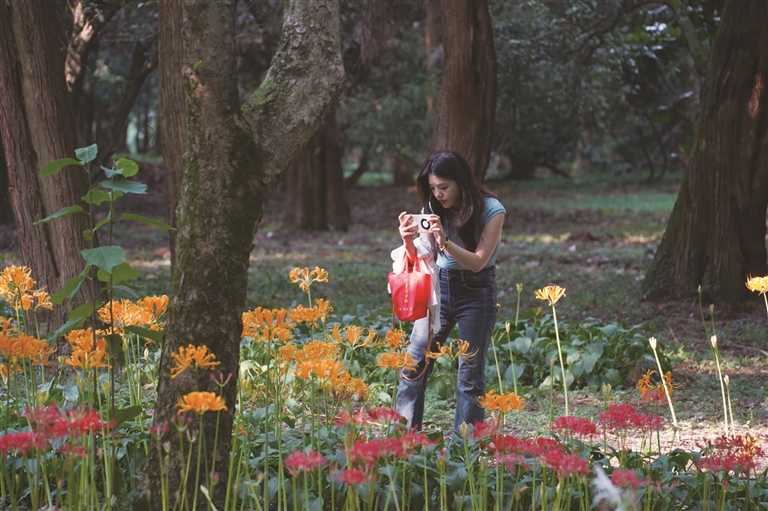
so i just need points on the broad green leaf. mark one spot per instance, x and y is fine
(54, 167)
(120, 273)
(126, 167)
(573, 357)
(123, 185)
(71, 286)
(88, 235)
(87, 154)
(96, 196)
(60, 213)
(66, 327)
(589, 360)
(155, 335)
(126, 414)
(106, 257)
(114, 345)
(522, 344)
(84, 310)
(145, 220)
(70, 392)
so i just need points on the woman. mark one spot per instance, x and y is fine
(466, 222)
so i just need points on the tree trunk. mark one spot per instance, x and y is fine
(468, 92)
(315, 194)
(6, 211)
(37, 126)
(716, 232)
(232, 163)
(172, 127)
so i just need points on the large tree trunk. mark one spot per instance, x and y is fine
(468, 92)
(315, 194)
(37, 126)
(173, 130)
(6, 210)
(716, 232)
(232, 164)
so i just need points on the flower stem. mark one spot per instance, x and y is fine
(562, 365)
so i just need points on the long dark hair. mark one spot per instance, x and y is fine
(447, 164)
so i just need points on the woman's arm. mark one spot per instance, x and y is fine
(474, 261)
(408, 231)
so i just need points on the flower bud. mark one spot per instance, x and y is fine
(652, 341)
(519, 287)
(726, 380)
(506, 325)
(711, 307)
(713, 341)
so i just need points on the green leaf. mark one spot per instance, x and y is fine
(70, 392)
(70, 287)
(123, 185)
(84, 310)
(522, 344)
(126, 167)
(87, 154)
(54, 167)
(120, 273)
(66, 327)
(145, 220)
(589, 360)
(106, 257)
(155, 335)
(126, 414)
(69, 210)
(114, 345)
(88, 235)
(96, 196)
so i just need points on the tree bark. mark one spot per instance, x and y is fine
(6, 210)
(716, 232)
(232, 163)
(468, 93)
(37, 126)
(173, 130)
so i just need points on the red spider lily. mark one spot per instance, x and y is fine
(626, 478)
(542, 445)
(565, 464)
(506, 444)
(352, 476)
(372, 451)
(385, 415)
(513, 462)
(618, 417)
(22, 442)
(158, 430)
(414, 438)
(44, 420)
(299, 462)
(483, 430)
(78, 422)
(575, 426)
(648, 422)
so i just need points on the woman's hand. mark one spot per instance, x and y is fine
(437, 229)
(408, 229)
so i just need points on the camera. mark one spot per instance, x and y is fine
(423, 222)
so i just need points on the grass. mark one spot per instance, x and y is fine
(596, 237)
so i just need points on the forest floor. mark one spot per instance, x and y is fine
(596, 237)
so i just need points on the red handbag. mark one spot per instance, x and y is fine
(410, 294)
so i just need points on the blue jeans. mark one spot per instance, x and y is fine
(468, 299)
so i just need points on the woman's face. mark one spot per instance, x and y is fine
(446, 191)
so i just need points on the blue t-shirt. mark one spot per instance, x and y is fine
(492, 208)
